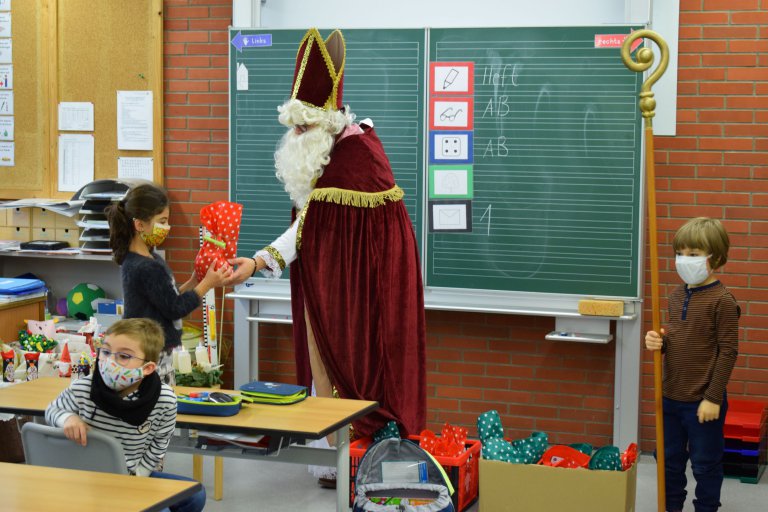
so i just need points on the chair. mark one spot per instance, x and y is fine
(48, 446)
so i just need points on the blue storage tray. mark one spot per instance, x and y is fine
(744, 453)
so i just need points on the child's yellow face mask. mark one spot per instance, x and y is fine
(157, 236)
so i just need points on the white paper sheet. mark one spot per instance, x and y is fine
(5, 24)
(134, 120)
(76, 116)
(68, 208)
(242, 77)
(6, 51)
(5, 5)
(7, 154)
(6, 127)
(6, 103)
(6, 76)
(142, 168)
(75, 161)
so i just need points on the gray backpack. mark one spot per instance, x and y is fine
(396, 475)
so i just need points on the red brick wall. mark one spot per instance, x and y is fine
(717, 165)
(477, 362)
(196, 122)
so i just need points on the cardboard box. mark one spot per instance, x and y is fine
(43, 234)
(105, 321)
(21, 234)
(506, 487)
(19, 217)
(108, 306)
(42, 218)
(71, 236)
(4, 217)
(64, 222)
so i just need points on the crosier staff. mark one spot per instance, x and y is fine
(647, 108)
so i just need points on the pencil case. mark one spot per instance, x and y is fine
(185, 405)
(275, 393)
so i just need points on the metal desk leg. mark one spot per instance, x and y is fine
(626, 419)
(218, 478)
(242, 342)
(342, 469)
(197, 468)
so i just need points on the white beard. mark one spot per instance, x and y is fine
(300, 159)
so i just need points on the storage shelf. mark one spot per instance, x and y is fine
(95, 257)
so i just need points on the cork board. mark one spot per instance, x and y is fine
(82, 51)
(29, 176)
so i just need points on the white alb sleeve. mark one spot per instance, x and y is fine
(280, 253)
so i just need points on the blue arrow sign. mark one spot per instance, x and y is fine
(251, 41)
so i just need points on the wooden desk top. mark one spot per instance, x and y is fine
(312, 418)
(86, 491)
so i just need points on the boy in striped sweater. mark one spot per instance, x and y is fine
(700, 347)
(126, 399)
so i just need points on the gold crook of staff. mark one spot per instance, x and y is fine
(647, 105)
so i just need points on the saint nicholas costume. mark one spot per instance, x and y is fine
(355, 264)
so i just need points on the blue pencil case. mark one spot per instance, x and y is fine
(186, 405)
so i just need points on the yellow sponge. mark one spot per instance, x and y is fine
(601, 307)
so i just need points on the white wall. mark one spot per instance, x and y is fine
(447, 13)
(301, 14)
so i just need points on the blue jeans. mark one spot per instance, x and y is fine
(703, 443)
(194, 503)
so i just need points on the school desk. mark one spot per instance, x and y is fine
(313, 418)
(33, 488)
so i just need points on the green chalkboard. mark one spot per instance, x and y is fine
(383, 80)
(555, 173)
(553, 180)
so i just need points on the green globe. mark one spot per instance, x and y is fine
(80, 298)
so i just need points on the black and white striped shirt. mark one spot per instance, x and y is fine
(144, 446)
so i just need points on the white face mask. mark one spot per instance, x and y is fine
(692, 269)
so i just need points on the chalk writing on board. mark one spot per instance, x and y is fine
(496, 147)
(501, 75)
(498, 106)
(488, 213)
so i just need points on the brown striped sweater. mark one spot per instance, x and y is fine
(701, 343)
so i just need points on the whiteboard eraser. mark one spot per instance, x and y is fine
(601, 307)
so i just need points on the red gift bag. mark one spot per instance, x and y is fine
(221, 223)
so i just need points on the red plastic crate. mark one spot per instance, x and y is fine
(463, 471)
(745, 420)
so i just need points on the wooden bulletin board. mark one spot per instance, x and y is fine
(30, 175)
(80, 51)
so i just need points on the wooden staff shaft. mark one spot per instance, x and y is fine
(654, 260)
(647, 105)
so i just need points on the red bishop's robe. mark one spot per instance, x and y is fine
(358, 274)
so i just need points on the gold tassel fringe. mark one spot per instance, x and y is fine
(355, 198)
